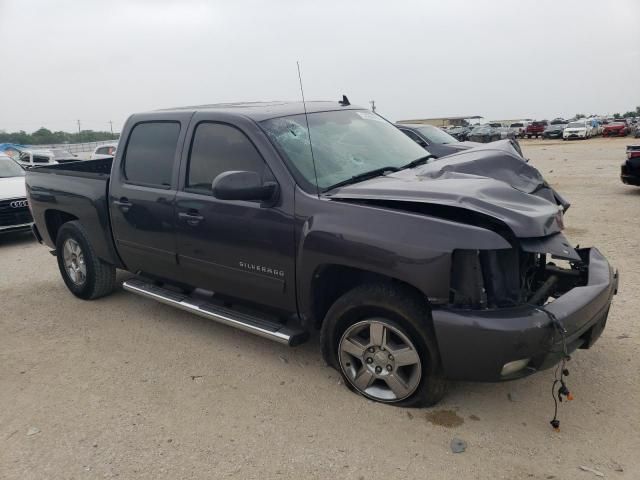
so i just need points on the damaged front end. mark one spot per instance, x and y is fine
(504, 307)
(511, 277)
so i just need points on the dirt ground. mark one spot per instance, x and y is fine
(125, 387)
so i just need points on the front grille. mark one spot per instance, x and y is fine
(13, 216)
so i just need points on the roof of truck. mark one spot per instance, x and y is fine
(264, 110)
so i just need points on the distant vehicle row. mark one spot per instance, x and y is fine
(32, 157)
(557, 128)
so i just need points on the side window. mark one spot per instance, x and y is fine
(218, 148)
(414, 137)
(150, 155)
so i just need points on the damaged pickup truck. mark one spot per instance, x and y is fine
(277, 222)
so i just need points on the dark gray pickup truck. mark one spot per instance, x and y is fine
(415, 271)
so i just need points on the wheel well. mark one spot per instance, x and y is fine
(330, 282)
(54, 219)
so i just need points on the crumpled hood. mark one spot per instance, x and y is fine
(492, 179)
(12, 187)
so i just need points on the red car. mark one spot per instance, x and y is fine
(618, 128)
(535, 129)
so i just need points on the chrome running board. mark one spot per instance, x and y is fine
(264, 328)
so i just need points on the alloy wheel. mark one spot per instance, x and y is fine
(379, 360)
(74, 261)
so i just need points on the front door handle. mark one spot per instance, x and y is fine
(124, 204)
(192, 218)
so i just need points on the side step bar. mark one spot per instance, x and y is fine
(242, 321)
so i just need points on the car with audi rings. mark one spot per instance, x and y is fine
(14, 208)
(281, 218)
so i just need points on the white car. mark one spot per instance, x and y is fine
(104, 151)
(596, 126)
(28, 157)
(580, 129)
(519, 128)
(14, 209)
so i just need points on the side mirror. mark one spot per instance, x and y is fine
(241, 185)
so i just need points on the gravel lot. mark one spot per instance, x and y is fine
(125, 387)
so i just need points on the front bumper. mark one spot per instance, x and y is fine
(475, 344)
(552, 135)
(630, 174)
(570, 135)
(614, 133)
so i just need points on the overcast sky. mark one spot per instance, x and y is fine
(97, 60)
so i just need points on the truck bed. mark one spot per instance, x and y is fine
(76, 190)
(82, 168)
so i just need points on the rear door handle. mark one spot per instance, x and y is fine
(192, 218)
(124, 204)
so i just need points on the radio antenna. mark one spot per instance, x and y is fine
(306, 118)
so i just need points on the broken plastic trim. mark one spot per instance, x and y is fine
(556, 245)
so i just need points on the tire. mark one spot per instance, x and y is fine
(99, 277)
(407, 320)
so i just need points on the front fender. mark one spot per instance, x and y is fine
(410, 247)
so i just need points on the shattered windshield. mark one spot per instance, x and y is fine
(345, 143)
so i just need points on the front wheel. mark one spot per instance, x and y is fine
(379, 337)
(85, 275)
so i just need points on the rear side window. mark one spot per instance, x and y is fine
(150, 155)
(219, 148)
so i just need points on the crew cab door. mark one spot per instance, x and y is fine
(142, 193)
(242, 249)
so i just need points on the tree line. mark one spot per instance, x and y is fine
(44, 136)
(630, 113)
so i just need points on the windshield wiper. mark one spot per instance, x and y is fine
(417, 162)
(362, 177)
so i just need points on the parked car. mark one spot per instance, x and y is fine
(104, 151)
(518, 128)
(618, 128)
(438, 142)
(630, 170)
(484, 134)
(14, 210)
(596, 126)
(579, 129)
(460, 132)
(535, 129)
(29, 158)
(414, 272)
(506, 133)
(554, 130)
(61, 156)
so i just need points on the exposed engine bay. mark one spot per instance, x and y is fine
(511, 277)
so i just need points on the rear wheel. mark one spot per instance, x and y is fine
(85, 275)
(379, 337)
